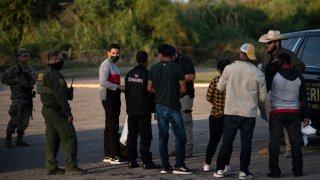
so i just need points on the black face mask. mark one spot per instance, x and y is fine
(57, 66)
(114, 58)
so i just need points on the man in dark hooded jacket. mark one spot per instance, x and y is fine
(140, 104)
(288, 103)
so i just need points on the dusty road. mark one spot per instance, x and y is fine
(27, 162)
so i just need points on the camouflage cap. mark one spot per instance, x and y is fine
(23, 51)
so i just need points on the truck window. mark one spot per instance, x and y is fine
(289, 43)
(311, 51)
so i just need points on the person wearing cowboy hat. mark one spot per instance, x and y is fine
(270, 65)
(272, 41)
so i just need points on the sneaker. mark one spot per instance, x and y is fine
(183, 170)
(118, 160)
(206, 168)
(76, 171)
(218, 174)
(243, 175)
(106, 159)
(55, 171)
(166, 170)
(151, 165)
(227, 169)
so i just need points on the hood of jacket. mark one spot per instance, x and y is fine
(288, 73)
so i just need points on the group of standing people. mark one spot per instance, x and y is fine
(162, 90)
(240, 89)
(168, 90)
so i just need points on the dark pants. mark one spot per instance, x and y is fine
(59, 129)
(111, 138)
(291, 121)
(139, 124)
(216, 130)
(230, 128)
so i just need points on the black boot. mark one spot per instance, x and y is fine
(19, 141)
(9, 141)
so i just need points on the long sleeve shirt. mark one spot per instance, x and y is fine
(216, 98)
(19, 79)
(109, 77)
(58, 98)
(245, 86)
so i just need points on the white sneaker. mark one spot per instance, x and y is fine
(308, 130)
(106, 159)
(118, 160)
(218, 174)
(243, 175)
(206, 168)
(227, 169)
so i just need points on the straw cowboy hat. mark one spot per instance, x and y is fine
(271, 36)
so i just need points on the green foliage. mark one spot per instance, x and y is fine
(293, 15)
(16, 14)
(203, 29)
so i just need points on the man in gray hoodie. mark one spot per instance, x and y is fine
(288, 106)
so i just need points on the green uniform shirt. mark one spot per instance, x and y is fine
(20, 80)
(56, 82)
(165, 76)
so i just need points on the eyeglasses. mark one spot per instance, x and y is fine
(25, 56)
(270, 42)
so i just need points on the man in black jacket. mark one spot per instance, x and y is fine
(140, 104)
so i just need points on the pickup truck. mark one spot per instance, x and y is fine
(306, 45)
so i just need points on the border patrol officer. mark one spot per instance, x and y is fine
(56, 111)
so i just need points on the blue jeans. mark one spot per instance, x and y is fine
(166, 116)
(231, 124)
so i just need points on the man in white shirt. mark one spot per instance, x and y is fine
(245, 86)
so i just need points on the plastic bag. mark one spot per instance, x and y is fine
(124, 134)
(305, 131)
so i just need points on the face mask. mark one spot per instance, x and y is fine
(114, 58)
(57, 66)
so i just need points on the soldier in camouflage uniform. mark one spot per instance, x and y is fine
(21, 78)
(56, 111)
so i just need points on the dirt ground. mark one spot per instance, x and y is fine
(28, 162)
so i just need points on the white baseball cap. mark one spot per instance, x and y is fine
(249, 50)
